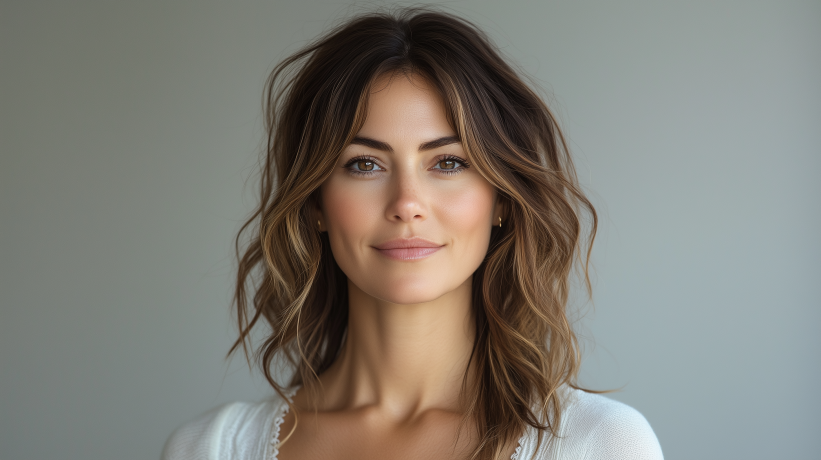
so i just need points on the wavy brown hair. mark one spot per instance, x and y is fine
(315, 103)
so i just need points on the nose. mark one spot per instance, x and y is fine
(406, 201)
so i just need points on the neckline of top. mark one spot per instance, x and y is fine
(283, 408)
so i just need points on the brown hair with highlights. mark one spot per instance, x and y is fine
(315, 103)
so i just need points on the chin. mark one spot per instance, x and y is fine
(408, 292)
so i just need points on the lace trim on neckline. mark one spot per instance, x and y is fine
(283, 411)
(518, 450)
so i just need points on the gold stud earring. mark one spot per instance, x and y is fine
(500, 222)
(318, 226)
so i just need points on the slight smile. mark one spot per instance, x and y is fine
(408, 248)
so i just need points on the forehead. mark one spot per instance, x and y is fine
(405, 106)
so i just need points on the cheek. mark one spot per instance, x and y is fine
(349, 213)
(467, 213)
(341, 208)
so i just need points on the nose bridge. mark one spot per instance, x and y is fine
(407, 200)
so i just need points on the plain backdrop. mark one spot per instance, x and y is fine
(129, 135)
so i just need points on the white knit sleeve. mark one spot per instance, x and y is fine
(198, 439)
(618, 432)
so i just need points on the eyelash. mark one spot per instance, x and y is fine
(464, 164)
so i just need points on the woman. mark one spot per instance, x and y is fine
(419, 221)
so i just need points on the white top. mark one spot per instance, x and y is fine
(592, 427)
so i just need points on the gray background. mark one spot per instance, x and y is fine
(128, 132)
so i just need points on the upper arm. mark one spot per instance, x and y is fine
(197, 439)
(622, 433)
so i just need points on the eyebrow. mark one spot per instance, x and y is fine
(385, 147)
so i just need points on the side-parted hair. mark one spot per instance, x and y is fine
(315, 103)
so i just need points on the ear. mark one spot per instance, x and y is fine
(315, 210)
(500, 209)
(316, 201)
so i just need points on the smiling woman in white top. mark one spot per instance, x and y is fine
(419, 219)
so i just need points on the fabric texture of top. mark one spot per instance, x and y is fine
(593, 427)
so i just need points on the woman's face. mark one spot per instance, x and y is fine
(405, 181)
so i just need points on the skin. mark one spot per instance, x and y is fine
(393, 392)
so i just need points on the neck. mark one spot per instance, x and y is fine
(403, 358)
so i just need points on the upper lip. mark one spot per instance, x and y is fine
(403, 243)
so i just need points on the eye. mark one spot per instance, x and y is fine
(450, 164)
(362, 165)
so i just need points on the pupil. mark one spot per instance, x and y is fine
(448, 164)
(366, 165)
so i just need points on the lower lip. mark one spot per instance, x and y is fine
(408, 253)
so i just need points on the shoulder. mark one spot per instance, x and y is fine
(594, 427)
(234, 430)
(604, 428)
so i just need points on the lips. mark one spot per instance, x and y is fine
(408, 248)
